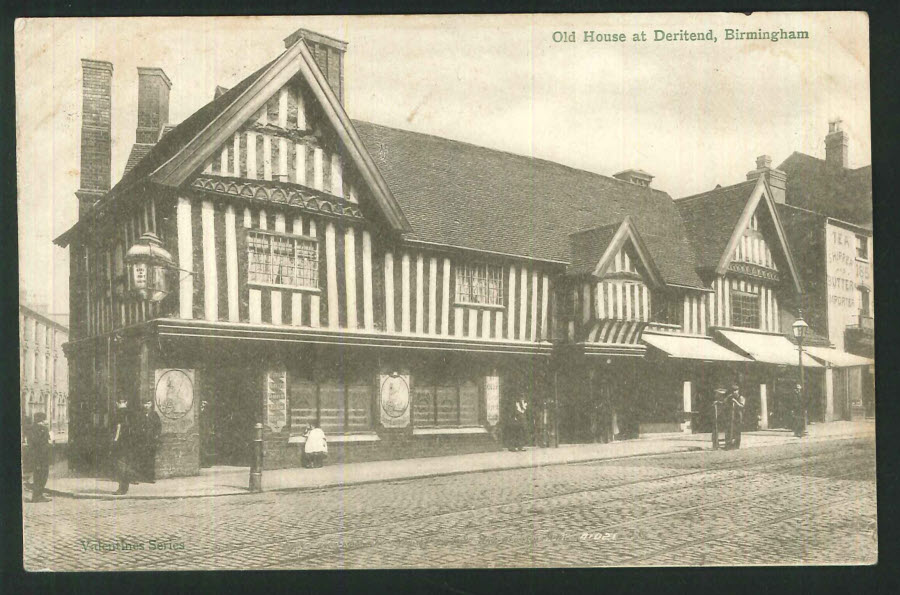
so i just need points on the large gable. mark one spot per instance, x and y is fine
(711, 217)
(187, 148)
(458, 194)
(724, 224)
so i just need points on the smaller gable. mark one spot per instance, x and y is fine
(613, 250)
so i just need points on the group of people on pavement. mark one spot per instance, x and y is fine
(134, 443)
(729, 415)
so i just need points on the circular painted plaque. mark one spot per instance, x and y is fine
(394, 396)
(174, 394)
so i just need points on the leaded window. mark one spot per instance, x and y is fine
(337, 406)
(275, 259)
(744, 309)
(480, 284)
(447, 404)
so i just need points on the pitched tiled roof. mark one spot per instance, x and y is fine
(138, 152)
(588, 246)
(463, 195)
(710, 219)
(837, 192)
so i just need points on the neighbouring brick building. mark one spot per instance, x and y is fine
(827, 213)
(399, 289)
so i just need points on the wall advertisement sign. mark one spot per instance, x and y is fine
(846, 274)
(276, 400)
(393, 400)
(492, 399)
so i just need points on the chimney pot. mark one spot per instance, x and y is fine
(637, 177)
(763, 161)
(836, 145)
(776, 178)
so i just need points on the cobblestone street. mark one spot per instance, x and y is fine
(811, 503)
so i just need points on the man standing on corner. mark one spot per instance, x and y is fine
(123, 447)
(39, 444)
(151, 428)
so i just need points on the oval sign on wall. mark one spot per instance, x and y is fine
(394, 401)
(174, 394)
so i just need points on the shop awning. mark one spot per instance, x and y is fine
(697, 348)
(838, 358)
(768, 348)
(613, 337)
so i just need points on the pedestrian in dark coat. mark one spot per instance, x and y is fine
(519, 421)
(735, 409)
(39, 447)
(124, 447)
(150, 430)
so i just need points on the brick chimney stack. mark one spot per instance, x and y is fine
(836, 151)
(776, 178)
(153, 104)
(96, 133)
(329, 55)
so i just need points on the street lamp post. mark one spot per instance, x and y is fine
(799, 328)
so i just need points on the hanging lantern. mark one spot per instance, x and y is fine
(148, 264)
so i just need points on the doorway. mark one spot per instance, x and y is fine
(228, 413)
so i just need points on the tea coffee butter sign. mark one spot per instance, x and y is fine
(394, 400)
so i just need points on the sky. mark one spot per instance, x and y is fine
(692, 113)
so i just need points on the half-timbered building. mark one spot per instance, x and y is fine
(396, 288)
(743, 255)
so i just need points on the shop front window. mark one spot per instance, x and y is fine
(445, 405)
(339, 407)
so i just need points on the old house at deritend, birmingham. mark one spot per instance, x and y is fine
(271, 260)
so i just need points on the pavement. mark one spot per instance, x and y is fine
(230, 481)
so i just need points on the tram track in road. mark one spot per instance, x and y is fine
(341, 530)
(617, 526)
(797, 512)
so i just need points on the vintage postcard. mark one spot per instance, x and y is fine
(446, 291)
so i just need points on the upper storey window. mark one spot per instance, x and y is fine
(284, 260)
(862, 247)
(744, 309)
(480, 284)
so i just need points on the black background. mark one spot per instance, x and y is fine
(883, 22)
